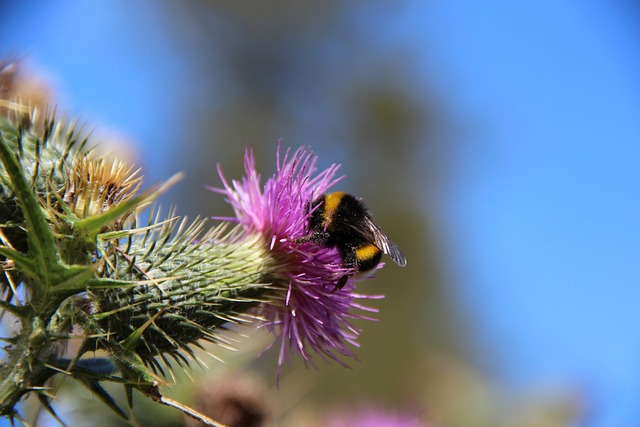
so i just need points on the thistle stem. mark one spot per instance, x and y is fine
(23, 372)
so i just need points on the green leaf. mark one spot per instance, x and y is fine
(73, 279)
(18, 311)
(22, 263)
(42, 246)
(92, 225)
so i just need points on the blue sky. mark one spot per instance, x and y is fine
(545, 210)
(542, 213)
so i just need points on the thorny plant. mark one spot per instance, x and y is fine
(75, 263)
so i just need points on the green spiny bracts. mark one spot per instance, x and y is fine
(47, 150)
(190, 285)
(42, 152)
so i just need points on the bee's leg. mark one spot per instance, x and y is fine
(341, 283)
(304, 239)
(349, 260)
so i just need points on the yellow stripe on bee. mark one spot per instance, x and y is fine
(367, 252)
(331, 202)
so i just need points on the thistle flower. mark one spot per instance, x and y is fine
(308, 314)
(148, 296)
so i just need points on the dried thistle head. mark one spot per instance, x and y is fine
(94, 185)
(21, 91)
(7, 79)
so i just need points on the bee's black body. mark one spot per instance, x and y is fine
(341, 220)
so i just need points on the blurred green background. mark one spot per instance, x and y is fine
(495, 143)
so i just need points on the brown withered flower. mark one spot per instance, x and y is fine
(95, 185)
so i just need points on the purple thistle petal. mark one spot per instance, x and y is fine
(312, 316)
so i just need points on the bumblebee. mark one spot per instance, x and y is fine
(343, 221)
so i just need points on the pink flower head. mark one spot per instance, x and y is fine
(312, 315)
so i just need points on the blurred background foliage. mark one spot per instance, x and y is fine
(191, 83)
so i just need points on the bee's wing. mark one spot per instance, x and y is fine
(385, 244)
